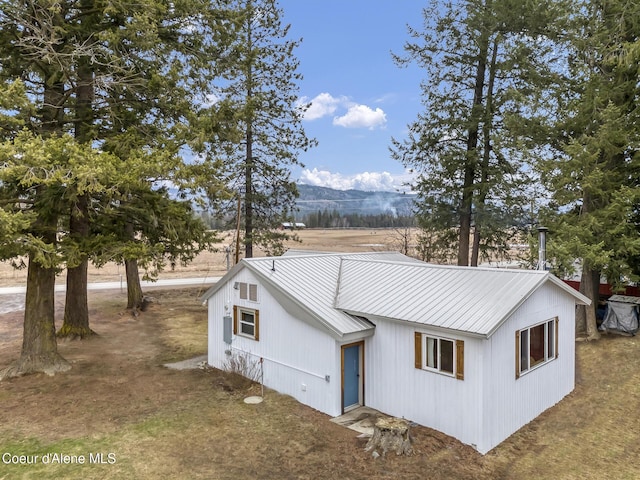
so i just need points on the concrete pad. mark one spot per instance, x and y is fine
(190, 364)
(360, 419)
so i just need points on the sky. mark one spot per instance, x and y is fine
(360, 98)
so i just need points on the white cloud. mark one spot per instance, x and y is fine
(362, 116)
(356, 116)
(374, 181)
(368, 181)
(321, 105)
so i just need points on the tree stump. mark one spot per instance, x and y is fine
(390, 434)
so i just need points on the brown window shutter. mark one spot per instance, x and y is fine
(418, 349)
(256, 331)
(556, 352)
(235, 319)
(460, 359)
(253, 292)
(243, 290)
(517, 354)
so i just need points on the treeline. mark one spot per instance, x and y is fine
(326, 219)
(335, 219)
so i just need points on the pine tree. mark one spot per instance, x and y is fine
(133, 76)
(153, 228)
(482, 59)
(593, 178)
(35, 175)
(125, 80)
(261, 86)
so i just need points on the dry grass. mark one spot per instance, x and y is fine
(161, 423)
(213, 264)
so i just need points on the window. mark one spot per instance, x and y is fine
(536, 346)
(246, 322)
(438, 354)
(248, 291)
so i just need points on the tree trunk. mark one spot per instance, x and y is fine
(586, 314)
(466, 202)
(39, 347)
(134, 288)
(486, 157)
(248, 188)
(475, 247)
(76, 308)
(76, 311)
(466, 206)
(248, 200)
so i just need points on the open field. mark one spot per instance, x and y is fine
(150, 422)
(213, 264)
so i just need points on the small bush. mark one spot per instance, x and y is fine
(244, 364)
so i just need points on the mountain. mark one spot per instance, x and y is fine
(314, 198)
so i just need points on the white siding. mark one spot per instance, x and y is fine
(394, 386)
(296, 356)
(511, 403)
(489, 404)
(482, 410)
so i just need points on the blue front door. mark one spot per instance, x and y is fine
(351, 376)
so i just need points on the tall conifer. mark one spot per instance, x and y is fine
(261, 85)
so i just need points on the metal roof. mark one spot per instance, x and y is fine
(336, 289)
(310, 281)
(471, 300)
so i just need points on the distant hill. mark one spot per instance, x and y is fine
(314, 198)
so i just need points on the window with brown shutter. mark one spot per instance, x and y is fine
(256, 336)
(246, 322)
(235, 319)
(441, 355)
(517, 354)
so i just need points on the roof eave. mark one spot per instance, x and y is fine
(224, 279)
(334, 332)
(436, 328)
(580, 298)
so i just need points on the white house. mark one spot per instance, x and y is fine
(472, 352)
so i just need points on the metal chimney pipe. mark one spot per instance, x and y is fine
(542, 248)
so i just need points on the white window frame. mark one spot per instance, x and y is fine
(438, 361)
(523, 359)
(241, 322)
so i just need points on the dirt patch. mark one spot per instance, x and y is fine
(118, 371)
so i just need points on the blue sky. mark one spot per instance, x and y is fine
(360, 98)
